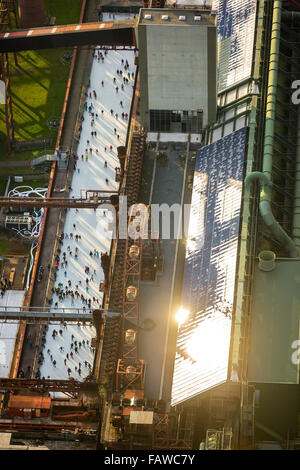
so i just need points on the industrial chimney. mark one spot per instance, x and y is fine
(32, 13)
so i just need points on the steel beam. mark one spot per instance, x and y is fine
(50, 314)
(45, 385)
(117, 33)
(80, 203)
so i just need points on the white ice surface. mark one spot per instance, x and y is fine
(91, 225)
(8, 331)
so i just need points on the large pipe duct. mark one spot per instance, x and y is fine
(264, 177)
(32, 13)
(266, 211)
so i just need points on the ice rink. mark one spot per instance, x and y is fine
(95, 169)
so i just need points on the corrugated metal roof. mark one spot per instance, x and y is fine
(236, 31)
(203, 341)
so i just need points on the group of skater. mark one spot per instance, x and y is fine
(78, 266)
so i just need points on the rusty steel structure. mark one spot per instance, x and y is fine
(130, 368)
(45, 314)
(72, 387)
(154, 3)
(90, 199)
(5, 77)
(7, 10)
(114, 33)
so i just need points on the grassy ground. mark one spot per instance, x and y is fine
(3, 182)
(66, 11)
(42, 183)
(31, 183)
(18, 170)
(4, 246)
(38, 86)
(11, 246)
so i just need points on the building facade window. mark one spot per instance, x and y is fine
(176, 121)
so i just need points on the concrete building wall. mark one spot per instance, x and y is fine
(178, 69)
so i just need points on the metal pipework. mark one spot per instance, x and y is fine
(267, 261)
(272, 89)
(264, 178)
(266, 211)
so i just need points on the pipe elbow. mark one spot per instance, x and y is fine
(256, 176)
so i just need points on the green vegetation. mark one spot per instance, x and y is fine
(10, 246)
(65, 11)
(14, 171)
(18, 170)
(31, 183)
(4, 246)
(38, 86)
(3, 182)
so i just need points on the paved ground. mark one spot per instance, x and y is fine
(18, 264)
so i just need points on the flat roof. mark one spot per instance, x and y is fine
(275, 324)
(8, 331)
(173, 17)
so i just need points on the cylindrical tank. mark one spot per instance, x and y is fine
(32, 13)
(131, 293)
(130, 371)
(134, 251)
(266, 260)
(130, 336)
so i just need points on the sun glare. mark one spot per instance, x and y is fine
(181, 316)
(209, 343)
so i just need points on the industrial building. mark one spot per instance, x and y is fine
(192, 329)
(177, 50)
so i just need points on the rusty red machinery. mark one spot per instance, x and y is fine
(28, 407)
